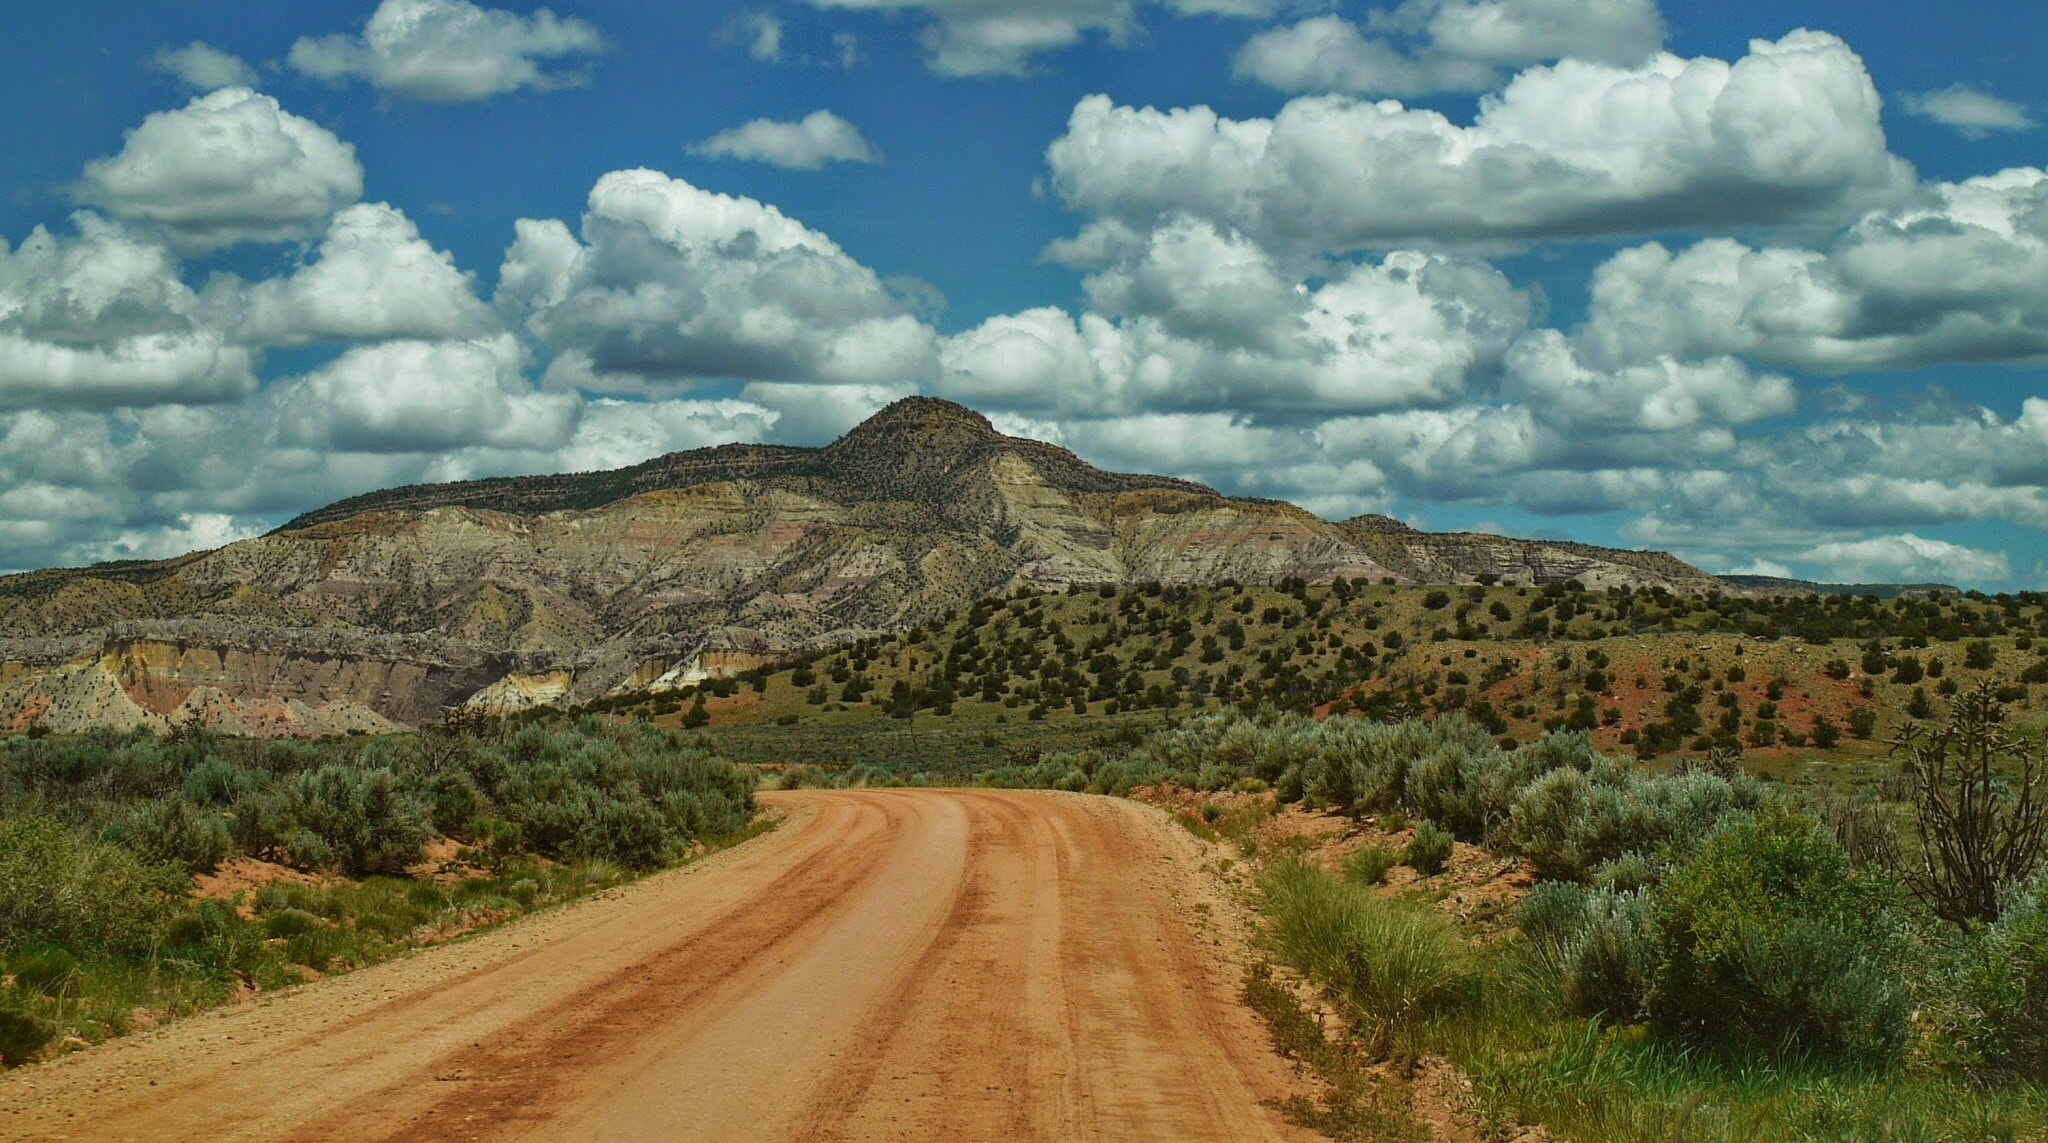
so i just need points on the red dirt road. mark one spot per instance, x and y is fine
(886, 965)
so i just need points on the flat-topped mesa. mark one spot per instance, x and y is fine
(1465, 557)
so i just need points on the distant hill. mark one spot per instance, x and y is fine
(1774, 585)
(1465, 557)
(390, 608)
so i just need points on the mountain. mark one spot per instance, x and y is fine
(390, 609)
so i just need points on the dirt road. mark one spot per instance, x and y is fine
(886, 965)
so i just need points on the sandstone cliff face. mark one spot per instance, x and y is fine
(391, 609)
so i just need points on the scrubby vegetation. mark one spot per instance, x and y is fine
(1703, 959)
(1809, 680)
(1703, 954)
(1785, 855)
(99, 837)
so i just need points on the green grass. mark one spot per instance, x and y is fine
(1369, 864)
(1585, 1081)
(1353, 1104)
(206, 955)
(1390, 961)
(1414, 987)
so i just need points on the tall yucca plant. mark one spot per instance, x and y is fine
(1981, 807)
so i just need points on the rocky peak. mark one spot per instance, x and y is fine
(913, 450)
(922, 418)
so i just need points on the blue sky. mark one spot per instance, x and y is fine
(1742, 281)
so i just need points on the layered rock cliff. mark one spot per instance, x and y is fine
(392, 608)
(1463, 557)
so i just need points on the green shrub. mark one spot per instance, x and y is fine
(22, 1036)
(171, 832)
(803, 777)
(1767, 937)
(215, 782)
(1592, 948)
(2005, 986)
(1391, 961)
(1625, 874)
(596, 793)
(59, 888)
(1552, 911)
(210, 937)
(1445, 786)
(1564, 821)
(1571, 822)
(314, 948)
(290, 922)
(1429, 850)
(47, 969)
(364, 818)
(453, 802)
(1368, 864)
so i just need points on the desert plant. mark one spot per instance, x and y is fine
(2005, 985)
(171, 832)
(1429, 850)
(1768, 937)
(212, 938)
(57, 887)
(22, 1036)
(47, 969)
(1981, 828)
(1570, 822)
(213, 782)
(365, 818)
(1861, 825)
(1368, 864)
(1391, 961)
(1591, 947)
(1447, 785)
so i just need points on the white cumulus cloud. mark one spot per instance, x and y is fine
(1959, 277)
(451, 51)
(188, 532)
(373, 279)
(805, 145)
(1905, 558)
(1663, 395)
(202, 66)
(1789, 133)
(231, 166)
(1002, 37)
(1428, 46)
(669, 284)
(416, 396)
(1202, 319)
(102, 318)
(766, 42)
